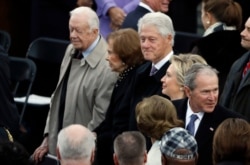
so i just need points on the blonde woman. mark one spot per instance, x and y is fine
(173, 81)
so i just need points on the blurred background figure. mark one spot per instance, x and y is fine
(220, 44)
(155, 115)
(178, 147)
(184, 12)
(144, 7)
(237, 88)
(88, 3)
(112, 13)
(130, 149)
(231, 143)
(124, 57)
(173, 81)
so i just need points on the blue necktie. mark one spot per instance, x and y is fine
(190, 126)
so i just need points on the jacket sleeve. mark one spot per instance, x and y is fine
(102, 97)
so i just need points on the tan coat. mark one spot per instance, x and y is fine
(88, 95)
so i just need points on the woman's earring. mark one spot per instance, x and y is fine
(208, 22)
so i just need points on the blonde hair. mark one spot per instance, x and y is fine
(183, 62)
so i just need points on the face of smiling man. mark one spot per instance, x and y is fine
(204, 97)
(154, 46)
(245, 35)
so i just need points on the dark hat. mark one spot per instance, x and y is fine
(178, 138)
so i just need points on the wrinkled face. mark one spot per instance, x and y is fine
(81, 36)
(154, 46)
(159, 5)
(245, 35)
(114, 60)
(170, 86)
(205, 95)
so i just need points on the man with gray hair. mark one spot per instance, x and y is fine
(200, 110)
(156, 34)
(85, 83)
(75, 145)
(130, 149)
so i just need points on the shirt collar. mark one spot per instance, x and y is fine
(163, 61)
(211, 28)
(91, 47)
(144, 5)
(190, 112)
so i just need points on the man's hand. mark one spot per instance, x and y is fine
(41, 151)
(117, 16)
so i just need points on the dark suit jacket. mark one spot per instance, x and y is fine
(206, 129)
(132, 18)
(236, 92)
(145, 86)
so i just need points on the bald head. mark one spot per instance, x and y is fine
(75, 142)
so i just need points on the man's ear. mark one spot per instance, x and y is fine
(58, 153)
(115, 159)
(145, 157)
(187, 91)
(92, 158)
(95, 31)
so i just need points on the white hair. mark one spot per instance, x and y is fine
(161, 21)
(89, 14)
(75, 142)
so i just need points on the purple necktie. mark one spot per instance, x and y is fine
(153, 70)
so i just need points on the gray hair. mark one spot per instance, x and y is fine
(89, 14)
(75, 142)
(130, 147)
(161, 21)
(198, 68)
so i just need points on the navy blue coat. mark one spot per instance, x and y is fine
(132, 18)
(205, 132)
